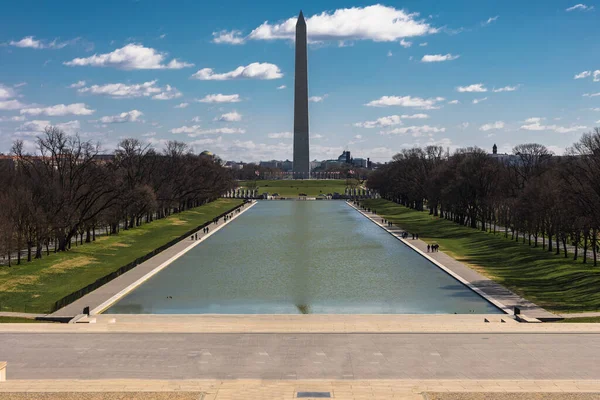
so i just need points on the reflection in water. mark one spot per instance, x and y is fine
(300, 257)
(299, 240)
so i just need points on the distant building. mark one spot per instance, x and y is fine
(286, 165)
(234, 165)
(269, 164)
(345, 157)
(360, 162)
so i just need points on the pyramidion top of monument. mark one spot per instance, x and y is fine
(300, 19)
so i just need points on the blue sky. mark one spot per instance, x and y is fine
(382, 76)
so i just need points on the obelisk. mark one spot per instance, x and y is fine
(301, 158)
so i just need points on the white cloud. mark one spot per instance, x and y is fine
(475, 88)
(281, 87)
(380, 122)
(389, 121)
(77, 85)
(453, 102)
(591, 94)
(389, 53)
(405, 43)
(6, 92)
(581, 7)
(438, 58)
(490, 20)
(281, 135)
(17, 85)
(149, 134)
(317, 136)
(182, 105)
(423, 44)
(533, 120)
(228, 37)
(220, 98)
(11, 105)
(414, 116)
(507, 89)
(534, 124)
(230, 117)
(196, 119)
(587, 74)
(406, 101)
(377, 23)
(415, 131)
(15, 118)
(583, 75)
(477, 101)
(59, 110)
(129, 91)
(196, 130)
(129, 116)
(317, 99)
(32, 43)
(492, 125)
(595, 109)
(464, 125)
(130, 57)
(255, 70)
(35, 127)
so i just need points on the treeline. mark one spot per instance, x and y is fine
(66, 190)
(531, 194)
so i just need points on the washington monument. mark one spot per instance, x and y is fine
(301, 159)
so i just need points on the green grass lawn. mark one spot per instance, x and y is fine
(17, 320)
(292, 188)
(551, 281)
(35, 286)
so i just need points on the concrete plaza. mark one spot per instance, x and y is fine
(301, 356)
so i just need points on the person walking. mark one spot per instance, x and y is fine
(417, 236)
(428, 247)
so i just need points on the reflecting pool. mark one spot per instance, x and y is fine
(291, 257)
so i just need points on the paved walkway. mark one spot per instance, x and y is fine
(301, 356)
(492, 291)
(131, 279)
(20, 315)
(311, 323)
(252, 389)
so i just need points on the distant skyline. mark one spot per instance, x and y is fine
(382, 76)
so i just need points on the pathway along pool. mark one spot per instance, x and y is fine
(292, 257)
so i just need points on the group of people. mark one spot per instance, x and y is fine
(433, 248)
(215, 221)
(195, 235)
(389, 223)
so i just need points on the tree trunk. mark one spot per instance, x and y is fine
(594, 247)
(38, 249)
(29, 246)
(585, 246)
(576, 245)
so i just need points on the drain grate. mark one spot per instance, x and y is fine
(314, 394)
